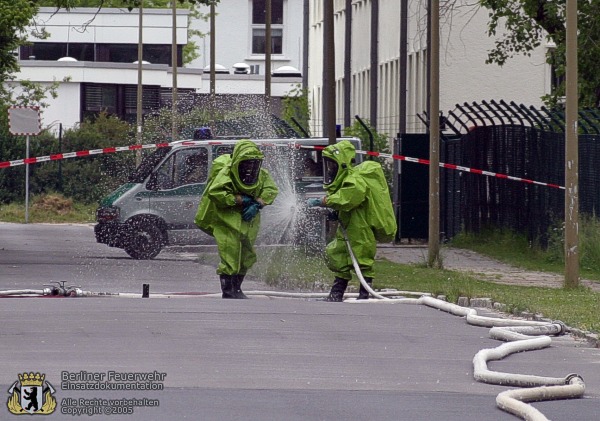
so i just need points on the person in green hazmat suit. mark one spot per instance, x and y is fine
(237, 189)
(357, 206)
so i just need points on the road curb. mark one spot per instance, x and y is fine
(486, 303)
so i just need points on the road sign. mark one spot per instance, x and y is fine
(24, 121)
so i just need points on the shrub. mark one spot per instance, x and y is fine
(84, 179)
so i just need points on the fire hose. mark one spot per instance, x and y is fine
(519, 335)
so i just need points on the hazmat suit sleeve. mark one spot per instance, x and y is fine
(222, 190)
(269, 189)
(350, 195)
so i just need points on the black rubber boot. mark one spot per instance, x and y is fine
(237, 287)
(363, 294)
(227, 286)
(337, 290)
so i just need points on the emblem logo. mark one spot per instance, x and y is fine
(32, 396)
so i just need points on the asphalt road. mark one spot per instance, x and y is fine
(257, 359)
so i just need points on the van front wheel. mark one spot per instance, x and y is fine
(145, 242)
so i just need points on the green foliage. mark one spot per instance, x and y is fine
(225, 119)
(130, 4)
(514, 248)
(12, 185)
(26, 93)
(157, 126)
(293, 269)
(49, 208)
(89, 179)
(589, 246)
(296, 106)
(83, 179)
(525, 24)
(15, 15)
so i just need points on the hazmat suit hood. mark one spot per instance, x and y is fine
(340, 155)
(246, 161)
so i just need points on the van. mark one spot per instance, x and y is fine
(157, 206)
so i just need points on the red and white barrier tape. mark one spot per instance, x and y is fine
(449, 166)
(78, 154)
(59, 156)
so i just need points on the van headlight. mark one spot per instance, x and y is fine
(107, 214)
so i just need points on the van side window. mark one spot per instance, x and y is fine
(308, 164)
(191, 166)
(164, 175)
(222, 150)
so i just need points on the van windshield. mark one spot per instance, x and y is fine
(148, 164)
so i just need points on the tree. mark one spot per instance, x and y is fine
(130, 4)
(296, 107)
(526, 23)
(14, 17)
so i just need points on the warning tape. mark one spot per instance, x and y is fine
(59, 156)
(79, 154)
(449, 166)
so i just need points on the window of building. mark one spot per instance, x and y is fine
(259, 26)
(118, 100)
(113, 53)
(99, 98)
(557, 77)
(54, 51)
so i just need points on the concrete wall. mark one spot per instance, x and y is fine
(66, 107)
(112, 26)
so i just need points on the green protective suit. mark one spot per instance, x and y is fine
(220, 213)
(347, 194)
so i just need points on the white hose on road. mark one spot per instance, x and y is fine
(521, 335)
(514, 401)
(46, 292)
(33, 292)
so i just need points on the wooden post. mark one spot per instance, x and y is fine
(571, 154)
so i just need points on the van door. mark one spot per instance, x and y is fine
(178, 184)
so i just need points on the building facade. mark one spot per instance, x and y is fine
(368, 83)
(93, 56)
(240, 31)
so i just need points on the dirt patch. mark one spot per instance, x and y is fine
(53, 203)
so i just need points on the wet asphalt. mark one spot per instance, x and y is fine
(257, 359)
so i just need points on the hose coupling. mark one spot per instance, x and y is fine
(569, 379)
(58, 288)
(563, 326)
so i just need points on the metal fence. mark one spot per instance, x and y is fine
(509, 139)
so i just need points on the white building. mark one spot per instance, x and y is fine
(464, 76)
(240, 32)
(105, 47)
(93, 55)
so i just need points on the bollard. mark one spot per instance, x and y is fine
(145, 290)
